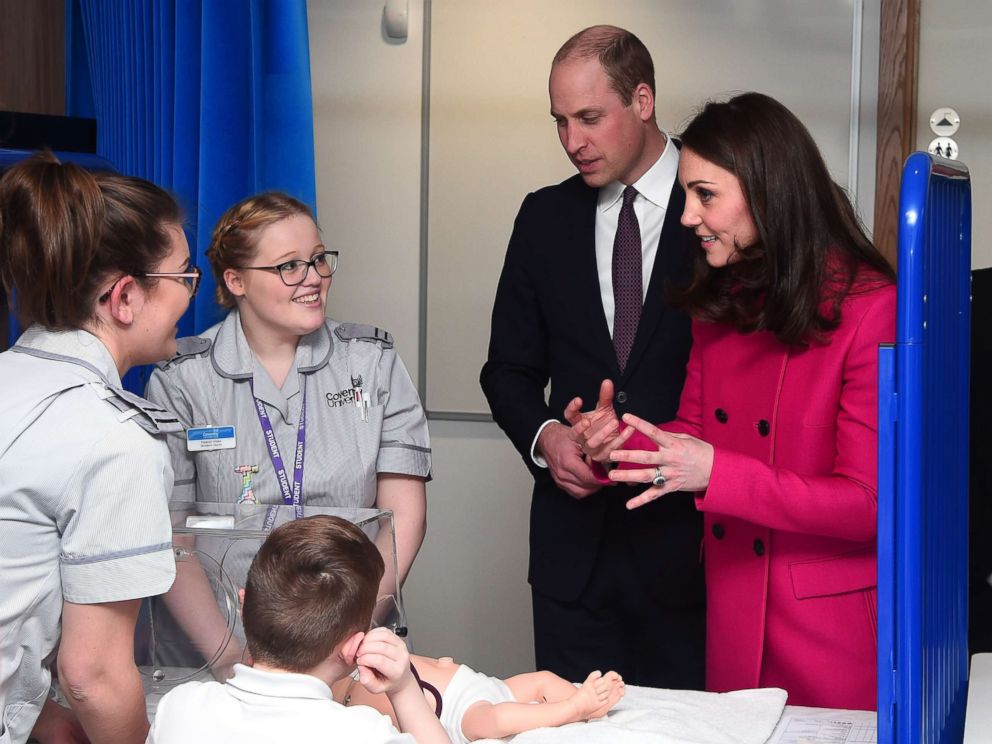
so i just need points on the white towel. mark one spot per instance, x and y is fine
(651, 716)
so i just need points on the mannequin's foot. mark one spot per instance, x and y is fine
(597, 695)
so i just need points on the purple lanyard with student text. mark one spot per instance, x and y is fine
(290, 496)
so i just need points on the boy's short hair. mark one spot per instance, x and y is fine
(312, 584)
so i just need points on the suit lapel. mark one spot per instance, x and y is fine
(671, 263)
(583, 223)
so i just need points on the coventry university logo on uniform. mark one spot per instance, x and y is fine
(344, 397)
(347, 397)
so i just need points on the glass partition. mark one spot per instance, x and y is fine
(194, 631)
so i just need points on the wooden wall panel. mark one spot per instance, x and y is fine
(897, 86)
(32, 56)
(32, 70)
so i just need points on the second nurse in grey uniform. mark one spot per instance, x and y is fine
(323, 413)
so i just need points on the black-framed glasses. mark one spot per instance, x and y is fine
(190, 278)
(295, 272)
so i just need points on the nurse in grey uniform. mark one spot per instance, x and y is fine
(100, 269)
(306, 409)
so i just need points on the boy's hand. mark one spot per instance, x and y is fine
(383, 662)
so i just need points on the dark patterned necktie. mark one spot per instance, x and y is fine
(627, 283)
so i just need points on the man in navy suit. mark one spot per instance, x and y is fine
(612, 589)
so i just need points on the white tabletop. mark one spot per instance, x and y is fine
(978, 718)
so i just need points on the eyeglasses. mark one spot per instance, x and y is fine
(190, 278)
(295, 272)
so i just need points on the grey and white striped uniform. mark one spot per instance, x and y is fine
(84, 484)
(207, 384)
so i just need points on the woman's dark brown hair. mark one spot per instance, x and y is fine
(811, 251)
(235, 236)
(64, 232)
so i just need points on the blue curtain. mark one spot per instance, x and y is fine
(207, 98)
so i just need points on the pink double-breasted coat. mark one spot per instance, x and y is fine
(790, 511)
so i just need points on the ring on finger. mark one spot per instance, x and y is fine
(659, 479)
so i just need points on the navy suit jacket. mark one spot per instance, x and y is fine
(548, 323)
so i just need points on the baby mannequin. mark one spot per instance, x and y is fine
(473, 706)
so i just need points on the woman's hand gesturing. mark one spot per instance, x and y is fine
(681, 462)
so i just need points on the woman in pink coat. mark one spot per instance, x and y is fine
(777, 426)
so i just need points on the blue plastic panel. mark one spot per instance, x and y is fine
(923, 463)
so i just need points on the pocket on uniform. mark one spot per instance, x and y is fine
(217, 479)
(838, 574)
(368, 434)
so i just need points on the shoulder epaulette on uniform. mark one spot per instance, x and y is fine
(186, 347)
(364, 332)
(149, 416)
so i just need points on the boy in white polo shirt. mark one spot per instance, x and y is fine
(308, 601)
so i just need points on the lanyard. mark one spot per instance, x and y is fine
(290, 496)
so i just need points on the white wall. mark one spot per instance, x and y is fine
(954, 53)
(467, 595)
(366, 96)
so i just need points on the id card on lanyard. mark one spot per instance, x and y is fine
(291, 495)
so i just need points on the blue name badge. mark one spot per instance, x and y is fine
(201, 438)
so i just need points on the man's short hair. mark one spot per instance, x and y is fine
(313, 583)
(624, 58)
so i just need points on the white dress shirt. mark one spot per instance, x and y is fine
(650, 205)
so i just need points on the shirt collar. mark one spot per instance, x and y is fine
(232, 357)
(251, 681)
(74, 346)
(655, 185)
